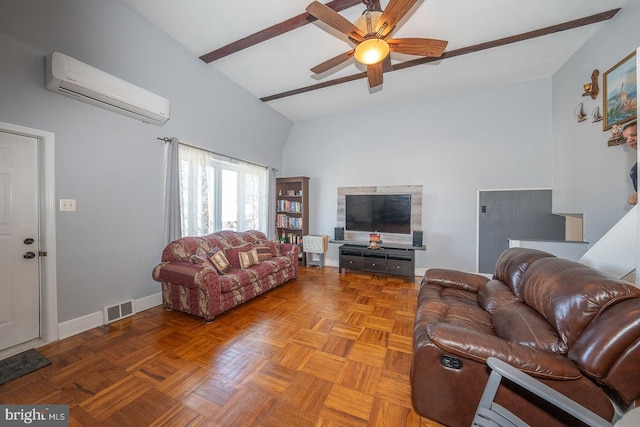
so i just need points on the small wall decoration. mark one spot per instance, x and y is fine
(595, 115)
(591, 89)
(620, 97)
(579, 113)
(616, 136)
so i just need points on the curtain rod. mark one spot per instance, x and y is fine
(167, 139)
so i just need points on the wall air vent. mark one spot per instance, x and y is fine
(70, 77)
(118, 311)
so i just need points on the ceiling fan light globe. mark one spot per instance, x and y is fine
(362, 24)
(371, 51)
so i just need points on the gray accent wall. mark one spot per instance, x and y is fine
(514, 214)
(111, 164)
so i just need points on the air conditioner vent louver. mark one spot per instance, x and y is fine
(118, 311)
(68, 76)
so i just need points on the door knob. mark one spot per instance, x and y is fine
(28, 255)
(28, 241)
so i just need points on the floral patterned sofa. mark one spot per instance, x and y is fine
(192, 281)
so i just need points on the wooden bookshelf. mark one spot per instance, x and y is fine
(292, 210)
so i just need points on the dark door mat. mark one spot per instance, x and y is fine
(21, 364)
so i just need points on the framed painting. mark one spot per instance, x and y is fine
(620, 97)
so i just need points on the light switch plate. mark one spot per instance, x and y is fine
(67, 205)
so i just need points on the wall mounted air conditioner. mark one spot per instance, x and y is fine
(83, 82)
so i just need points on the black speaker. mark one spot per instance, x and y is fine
(339, 233)
(417, 238)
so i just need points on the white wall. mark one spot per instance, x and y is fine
(498, 138)
(111, 164)
(588, 176)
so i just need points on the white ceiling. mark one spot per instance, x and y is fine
(282, 63)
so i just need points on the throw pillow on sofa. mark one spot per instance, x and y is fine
(249, 258)
(274, 247)
(233, 254)
(219, 260)
(263, 251)
(200, 257)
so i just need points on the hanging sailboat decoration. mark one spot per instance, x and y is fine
(595, 115)
(579, 113)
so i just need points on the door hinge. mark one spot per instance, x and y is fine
(42, 253)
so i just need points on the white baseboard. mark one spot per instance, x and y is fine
(80, 324)
(93, 320)
(145, 303)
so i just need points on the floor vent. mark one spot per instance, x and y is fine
(118, 311)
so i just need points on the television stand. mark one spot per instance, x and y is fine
(388, 258)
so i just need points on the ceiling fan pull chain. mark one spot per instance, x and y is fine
(381, 29)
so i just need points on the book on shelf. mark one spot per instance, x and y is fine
(285, 221)
(291, 238)
(289, 206)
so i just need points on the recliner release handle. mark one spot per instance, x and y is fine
(451, 362)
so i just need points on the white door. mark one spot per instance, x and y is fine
(19, 240)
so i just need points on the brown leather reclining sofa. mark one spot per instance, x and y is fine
(571, 326)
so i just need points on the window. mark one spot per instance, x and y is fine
(218, 193)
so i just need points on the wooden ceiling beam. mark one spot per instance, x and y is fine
(273, 31)
(599, 17)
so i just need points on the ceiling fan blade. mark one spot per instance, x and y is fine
(422, 47)
(386, 64)
(333, 62)
(334, 20)
(374, 74)
(394, 12)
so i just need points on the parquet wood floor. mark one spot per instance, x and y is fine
(327, 349)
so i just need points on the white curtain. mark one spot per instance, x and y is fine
(254, 198)
(219, 193)
(271, 212)
(197, 185)
(172, 217)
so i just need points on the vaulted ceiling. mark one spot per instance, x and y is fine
(269, 47)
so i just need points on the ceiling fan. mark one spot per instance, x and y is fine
(370, 34)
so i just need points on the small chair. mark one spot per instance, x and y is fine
(492, 414)
(315, 246)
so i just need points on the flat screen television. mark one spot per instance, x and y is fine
(384, 213)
